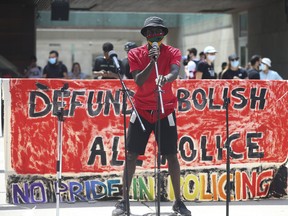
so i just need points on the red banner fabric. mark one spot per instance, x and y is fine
(93, 133)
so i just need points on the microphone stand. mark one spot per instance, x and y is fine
(160, 100)
(126, 95)
(60, 115)
(226, 103)
(159, 106)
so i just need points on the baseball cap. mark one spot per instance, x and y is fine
(194, 50)
(210, 49)
(232, 57)
(129, 45)
(154, 22)
(266, 61)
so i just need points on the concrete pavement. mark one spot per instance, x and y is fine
(99, 208)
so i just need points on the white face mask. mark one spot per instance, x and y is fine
(211, 58)
(262, 67)
(234, 64)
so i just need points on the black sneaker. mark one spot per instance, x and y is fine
(120, 208)
(180, 208)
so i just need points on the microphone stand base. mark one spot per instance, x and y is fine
(162, 214)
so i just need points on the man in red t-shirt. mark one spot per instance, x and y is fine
(142, 67)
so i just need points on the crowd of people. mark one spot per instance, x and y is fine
(104, 67)
(203, 67)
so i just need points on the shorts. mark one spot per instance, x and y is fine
(137, 139)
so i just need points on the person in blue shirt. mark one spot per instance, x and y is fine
(266, 73)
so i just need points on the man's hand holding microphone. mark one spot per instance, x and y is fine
(154, 53)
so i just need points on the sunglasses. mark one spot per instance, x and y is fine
(235, 59)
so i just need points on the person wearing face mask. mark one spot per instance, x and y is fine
(142, 67)
(234, 71)
(205, 68)
(55, 68)
(253, 72)
(266, 73)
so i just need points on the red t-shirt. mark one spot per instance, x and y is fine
(146, 95)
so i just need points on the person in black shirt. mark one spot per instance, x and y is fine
(104, 67)
(223, 67)
(233, 71)
(201, 56)
(205, 68)
(253, 73)
(55, 68)
(126, 68)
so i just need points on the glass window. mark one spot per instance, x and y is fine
(243, 56)
(243, 25)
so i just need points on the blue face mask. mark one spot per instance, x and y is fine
(52, 60)
(235, 64)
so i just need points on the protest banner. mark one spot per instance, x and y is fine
(93, 140)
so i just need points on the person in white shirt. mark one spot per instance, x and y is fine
(192, 64)
(266, 73)
(191, 70)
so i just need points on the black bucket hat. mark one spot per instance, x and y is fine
(154, 22)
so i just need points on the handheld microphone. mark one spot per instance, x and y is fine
(155, 46)
(112, 54)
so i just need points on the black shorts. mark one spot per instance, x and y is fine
(137, 139)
